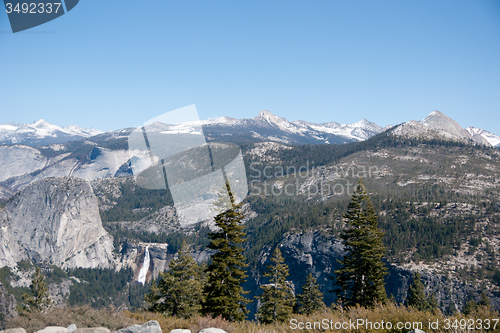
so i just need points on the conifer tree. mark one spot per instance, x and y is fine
(38, 299)
(278, 299)
(311, 299)
(223, 290)
(360, 278)
(179, 291)
(416, 295)
(432, 303)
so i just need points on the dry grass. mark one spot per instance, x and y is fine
(86, 317)
(81, 316)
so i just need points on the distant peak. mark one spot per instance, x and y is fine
(41, 124)
(265, 114)
(268, 116)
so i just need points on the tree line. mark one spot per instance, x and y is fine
(187, 288)
(216, 290)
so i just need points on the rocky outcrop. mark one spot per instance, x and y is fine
(132, 255)
(55, 221)
(317, 253)
(92, 330)
(21, 166)
(151, 326)
(438, 126)
(439, 121)
(19, 160)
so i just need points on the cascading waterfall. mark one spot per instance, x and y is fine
(145, 267)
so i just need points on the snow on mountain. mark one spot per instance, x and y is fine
(439, 126)
(359, 131)
(269, 127)
(493, 139)
(42, 132)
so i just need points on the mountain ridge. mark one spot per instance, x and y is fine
(42, 132)
(264, 127)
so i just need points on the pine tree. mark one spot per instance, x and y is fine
(360, 279)
(38, 299)
(432, 303)
(484, 301)
(416, 295)
(178, 292)
(470, 307)
(223, 290)
(311, 299)
(278, 299)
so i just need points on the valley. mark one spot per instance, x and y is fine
(75, 209)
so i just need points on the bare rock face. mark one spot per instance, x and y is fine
(19, 160)
(55, 221)
(438, 126)
(316, 253)
(440, 121)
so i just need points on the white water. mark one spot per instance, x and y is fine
(144, 268)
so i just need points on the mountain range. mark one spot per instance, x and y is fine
(42, 132)
(434, 184)
(264, 127)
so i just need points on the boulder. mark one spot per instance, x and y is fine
(151, 326)
(71, 328)
(53, 329)
(179, 330)
(212, 330)
(93, 330)
(14, 330)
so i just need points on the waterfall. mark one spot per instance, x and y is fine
(145, 267)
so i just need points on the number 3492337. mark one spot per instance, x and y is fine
(33, 8)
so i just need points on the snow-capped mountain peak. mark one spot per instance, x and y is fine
(43, 124)
(440, 126)
(41, 132)
(493, 139)
(271, 118)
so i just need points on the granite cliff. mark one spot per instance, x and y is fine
(317, 253)
(55, 221)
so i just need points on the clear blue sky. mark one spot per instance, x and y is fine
(114, 64)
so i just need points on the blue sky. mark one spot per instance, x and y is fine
(116, 64)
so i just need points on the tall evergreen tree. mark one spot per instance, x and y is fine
(223, 290)
(417, 298)
(311, 299)
(416, 295)
(178, 292)
(360, 279)
(38, 299)
(278, 299)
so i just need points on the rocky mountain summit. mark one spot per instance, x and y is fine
(55, 221)
(439, 126)
(493, 139)
(269, 127)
